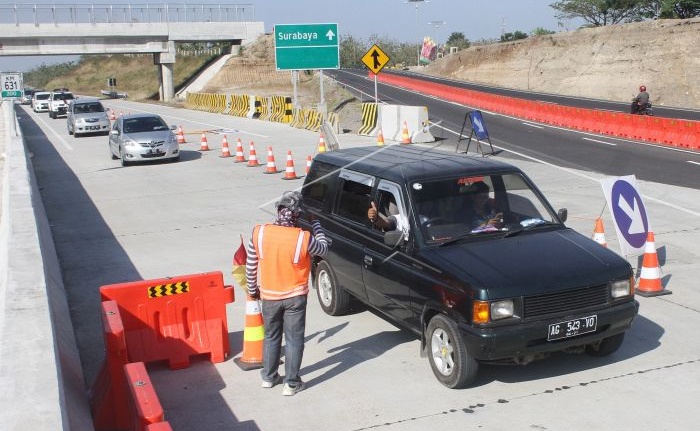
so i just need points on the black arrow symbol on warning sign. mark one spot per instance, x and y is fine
(375, 55)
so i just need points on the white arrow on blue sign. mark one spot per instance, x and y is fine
(628, 212)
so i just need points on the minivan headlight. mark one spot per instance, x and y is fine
(622, 288)
(502, 309)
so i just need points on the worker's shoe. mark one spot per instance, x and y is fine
(267, 385)
(289, 390)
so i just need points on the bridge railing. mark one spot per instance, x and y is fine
(124, 13)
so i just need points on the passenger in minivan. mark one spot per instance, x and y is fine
(483, 208)
(387, 219)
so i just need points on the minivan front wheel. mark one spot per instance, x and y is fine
(606, 346)
(334, 299)
(449, 359)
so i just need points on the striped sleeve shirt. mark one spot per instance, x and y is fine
(318, 246)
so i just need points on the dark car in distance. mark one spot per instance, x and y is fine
(471, 257)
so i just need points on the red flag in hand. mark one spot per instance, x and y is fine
(238, 271)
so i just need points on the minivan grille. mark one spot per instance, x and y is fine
(561, 302)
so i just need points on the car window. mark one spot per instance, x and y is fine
(144, 124)
(44, 96)
(354, 199)
(84, 108)
(389, 203)
(317, 184)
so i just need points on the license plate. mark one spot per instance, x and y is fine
(572, 328)
(93, 128)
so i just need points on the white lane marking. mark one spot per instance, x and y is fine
(600, 142)
(536, 126)
(212, 126)
(579, 174)
(695, 163)
(55, 133)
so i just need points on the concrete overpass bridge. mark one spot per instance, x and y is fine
(43, 29)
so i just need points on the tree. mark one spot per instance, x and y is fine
(541, 31)
(517, 35)
(601, 12)
(672, 9)
(351, 52)
(457, 39)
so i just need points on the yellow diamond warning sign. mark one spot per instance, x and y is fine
(375, 59)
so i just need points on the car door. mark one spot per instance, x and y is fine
(387, 271)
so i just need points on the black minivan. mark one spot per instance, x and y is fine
(470, 256)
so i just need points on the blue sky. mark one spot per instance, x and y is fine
(395, 19)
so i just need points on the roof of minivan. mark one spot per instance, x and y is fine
(401, 163)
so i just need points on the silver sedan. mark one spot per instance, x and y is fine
(142, 138)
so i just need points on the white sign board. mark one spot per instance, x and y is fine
(628, 212)
(11, 85)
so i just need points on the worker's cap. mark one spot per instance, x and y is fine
(290, 200)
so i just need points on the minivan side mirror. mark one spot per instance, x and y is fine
(393, 238)
(563, 213)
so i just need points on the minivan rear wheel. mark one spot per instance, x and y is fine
(449, 359)
(334, 299)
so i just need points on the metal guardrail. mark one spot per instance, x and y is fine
(124, 13)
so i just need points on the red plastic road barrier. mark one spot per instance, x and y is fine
(144, 404)
(679, 133)
(174, 318)
(108, 398)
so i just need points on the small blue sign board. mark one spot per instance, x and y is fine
(478, 125)
(628, 212)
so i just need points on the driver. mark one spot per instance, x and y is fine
(483, 208)
(640, 102)
(388, 219)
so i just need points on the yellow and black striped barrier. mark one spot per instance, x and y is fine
(369, 118)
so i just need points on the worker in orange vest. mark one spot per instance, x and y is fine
(277, 271)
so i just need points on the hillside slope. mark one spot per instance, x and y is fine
(603, 63)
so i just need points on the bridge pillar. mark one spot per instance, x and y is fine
(165, 62)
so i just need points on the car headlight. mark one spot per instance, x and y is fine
(172, 139)
(622, 288)
(485, 311)
(502, 309)
(129, 143)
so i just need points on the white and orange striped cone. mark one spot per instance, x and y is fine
(203, 143)
(321, 144)
(405, 137)
(599, 232)
(181, 136)
(270, 168)
(239, 158)
(225, 151)
(289, 173)
(308, 164)
(380, 138)
(253, 337)
(650, 277)
(252, 157)
(112, 117)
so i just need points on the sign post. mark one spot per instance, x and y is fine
(375, 59)
(12, 85)
(628, 212)
(306, 46)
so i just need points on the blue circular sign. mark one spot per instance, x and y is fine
(630, 214)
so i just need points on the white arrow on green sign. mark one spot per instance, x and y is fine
(306, 46)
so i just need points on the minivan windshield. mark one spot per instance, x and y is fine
(90, 107)
(463, 207)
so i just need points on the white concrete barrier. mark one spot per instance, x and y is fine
(392, 117)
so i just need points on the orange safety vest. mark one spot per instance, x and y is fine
(284, 262)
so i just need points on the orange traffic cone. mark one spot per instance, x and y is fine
(112, 117)
(253, 336)
(308, 164)
(252, 157)
(239, 152)
(405, 137)
(270, 168)
(321, 144)
(289, 173)
(599, 233)
(650, 278)
(203, 143)
(225, 152)
(180, 136)
(380, 138)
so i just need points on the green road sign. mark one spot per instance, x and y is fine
(11, 85)
(306, 46)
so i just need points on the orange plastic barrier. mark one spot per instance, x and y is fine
(174, 318)
(680, 133)
(160, 426)
(108, 397)
(144, 404)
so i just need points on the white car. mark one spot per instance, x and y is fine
(58, 103)
(40, 101)
(143, 138)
